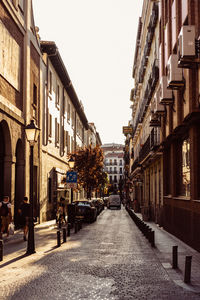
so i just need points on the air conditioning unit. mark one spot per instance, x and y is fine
(166, 96)
(175, 78)
(159, 109)
(186, 41)
(154, 121)
(186, 46)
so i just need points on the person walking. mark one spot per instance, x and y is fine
(24, 213)
(5, 215)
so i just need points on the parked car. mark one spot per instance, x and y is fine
(86, 210)
(98, 203)
(114, 201)
(105, 200)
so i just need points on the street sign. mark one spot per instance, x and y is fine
(127, 130)
(71, 177)
(71, 185)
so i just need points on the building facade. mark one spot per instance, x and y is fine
(163, 149)
(20, 58)
(114, 163)
(35, 85)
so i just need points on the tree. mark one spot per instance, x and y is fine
(89, 167)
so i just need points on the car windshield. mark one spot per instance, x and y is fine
(83, 204)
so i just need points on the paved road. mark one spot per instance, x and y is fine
(107, 260)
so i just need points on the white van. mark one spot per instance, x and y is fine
(114, 201)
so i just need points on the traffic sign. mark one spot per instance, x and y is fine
(71, 177)
(71, 185)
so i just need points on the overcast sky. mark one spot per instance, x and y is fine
(96, 39)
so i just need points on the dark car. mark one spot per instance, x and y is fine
(98, 203)
(86, 211)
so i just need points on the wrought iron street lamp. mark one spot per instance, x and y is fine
(32, 133)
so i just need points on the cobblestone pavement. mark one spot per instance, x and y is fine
(107, 260)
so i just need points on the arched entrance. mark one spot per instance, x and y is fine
(5, 160)
(19, 180)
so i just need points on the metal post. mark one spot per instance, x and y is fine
(71, 195)
(152, 240)
(1, 250)
(175, 257)
(68, 229)
(76, 227)
(188, 263)
(64, 235)
(58, 238)
(31, 240)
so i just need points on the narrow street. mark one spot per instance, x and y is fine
(109, 259)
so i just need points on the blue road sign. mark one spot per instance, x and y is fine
(71, 177)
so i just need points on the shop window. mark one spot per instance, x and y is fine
(185, 182)
(167, 171)
(49, 189)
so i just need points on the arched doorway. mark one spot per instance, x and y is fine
(19, 179)
(5, 160)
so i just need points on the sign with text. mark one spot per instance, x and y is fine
(127, 130)
(71, 177)
(71, 185)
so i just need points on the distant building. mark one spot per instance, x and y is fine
(114, 162)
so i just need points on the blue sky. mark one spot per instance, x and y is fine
(96, 39)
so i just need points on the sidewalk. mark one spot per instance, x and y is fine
(45, 239)
(164, 242)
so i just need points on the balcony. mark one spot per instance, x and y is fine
(145, 150)
(135, 164)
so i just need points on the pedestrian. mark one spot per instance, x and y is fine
(5, 215)
(61, 211)
(24, 213)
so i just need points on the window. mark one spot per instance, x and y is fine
(50, 125)
(115, 170)
(73, 118)
(115, 162)
(120, 162)
(34, 94)
(58, 96)
(50, 82)
(21, 5)
(57, 132)
(120, 171)
(115, 178)
(68, 112)
(110, 161)
(185, 185)
(110, 179)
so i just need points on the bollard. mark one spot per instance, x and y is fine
(76, 227)
(80, 224)
(152, 238)
(59, 223)
(1, 250)
(175, 257)
(64, 235)
(58, 238)
(68, 229)
(188, 262)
